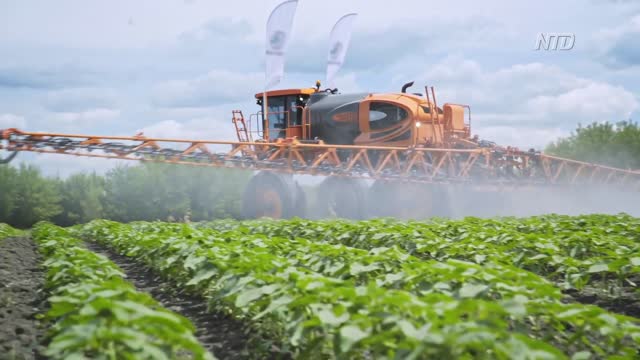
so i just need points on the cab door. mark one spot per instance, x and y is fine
(294, 108)
(277, 115)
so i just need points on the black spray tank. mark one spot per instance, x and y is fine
(334, 117)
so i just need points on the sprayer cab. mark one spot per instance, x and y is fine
(371, 119)
(284, 110)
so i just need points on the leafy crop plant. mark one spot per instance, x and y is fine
(97, 314)
(348, 293)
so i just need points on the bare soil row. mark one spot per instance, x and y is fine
(21, 299)
(222, 335)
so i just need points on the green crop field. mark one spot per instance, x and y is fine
(548, 287)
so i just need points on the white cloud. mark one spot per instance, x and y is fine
(455, 70)
(528, 96)
(198, 129)
(348, 83)
(92, 116)
(614, 33)
(215, 87)
(171, 129)
(80, 99)
(594, 102)
(65, 165)
(216, 30)
(526, 105)
(522, 137)
(618, 45)
(12, 121)
(195, 129)
(466, 80)
(212, 122)
(50, 76)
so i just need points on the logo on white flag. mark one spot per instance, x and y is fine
(277, 41)
(336, 52)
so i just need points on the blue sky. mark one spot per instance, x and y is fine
(178, 67)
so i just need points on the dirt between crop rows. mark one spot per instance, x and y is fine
(625, 304)
(21, 299)
(222, 335)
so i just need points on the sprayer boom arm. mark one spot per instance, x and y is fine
(489, 165)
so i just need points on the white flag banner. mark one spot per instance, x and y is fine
(338, 45)
(278, 32)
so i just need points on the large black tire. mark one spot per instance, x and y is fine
(406, 200)
(381, 200)
(271, 195)
(300, 202)
(341, 198)
(441, 203)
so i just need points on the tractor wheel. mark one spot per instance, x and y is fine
(442, 200)
(342, 198)
(481, 202)
(271, 195)
(401, 200)
(300, 202)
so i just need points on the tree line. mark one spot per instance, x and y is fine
(616, 145)
(128, 193)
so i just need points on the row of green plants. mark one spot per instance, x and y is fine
(94, 313)
(7, 231)
(319, 299)
(601, 251)
(387, 266)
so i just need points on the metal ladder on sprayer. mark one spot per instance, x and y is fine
(241, 126)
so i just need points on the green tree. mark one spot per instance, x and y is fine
(82, 196)
(36, 198)
(214, 193)
(610, 144)
(8, 189)
(147, 191)
(128, 195)
(159, 191)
